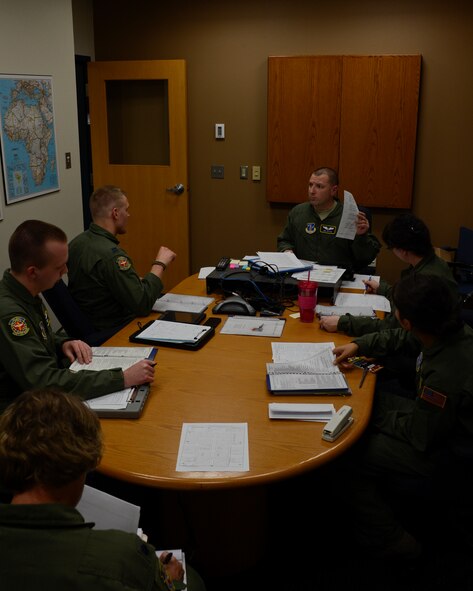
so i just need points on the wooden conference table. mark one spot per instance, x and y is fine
(224, 381)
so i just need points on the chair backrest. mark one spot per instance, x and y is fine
(76, 324)
(465, 246)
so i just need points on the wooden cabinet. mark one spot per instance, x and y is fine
(357, 114)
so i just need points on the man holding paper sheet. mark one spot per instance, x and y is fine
(32, 354)
(311, 228)
(102, 278)
(49, 441)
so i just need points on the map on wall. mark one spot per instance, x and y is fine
(27, 137)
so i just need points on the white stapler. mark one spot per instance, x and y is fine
(338, 424)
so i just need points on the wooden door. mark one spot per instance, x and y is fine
(138, 124)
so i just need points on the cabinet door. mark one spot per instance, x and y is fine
(357, 114)
(378, 128)
(304, 97)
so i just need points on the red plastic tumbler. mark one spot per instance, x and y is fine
(307, 299)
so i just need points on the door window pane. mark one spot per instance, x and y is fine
(138, 121)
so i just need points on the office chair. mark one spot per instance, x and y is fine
(460, 259)
(73, 320)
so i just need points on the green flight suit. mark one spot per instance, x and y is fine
(31, 355)
(429, 265)
(314, 239)
(104, 282)
(411, 437)
(51, 548)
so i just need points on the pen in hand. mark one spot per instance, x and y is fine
(365, 372)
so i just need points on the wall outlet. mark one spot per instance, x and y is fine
(256, 173)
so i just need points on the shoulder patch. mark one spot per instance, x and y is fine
(19, 326)
(123, 263)
(433, 397)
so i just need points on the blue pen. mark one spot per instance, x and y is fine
(152, 354)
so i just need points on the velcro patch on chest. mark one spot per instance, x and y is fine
(433, 397)
(310, 228)
(19, 326)
(123, 263)
(327, 229)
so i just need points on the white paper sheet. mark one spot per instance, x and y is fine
(347, 227)
(321, 413)
(213, 447)
(181, 303)
(107, 511)
(253, 327)
(289, 352)
(357, 282)
(377, 302)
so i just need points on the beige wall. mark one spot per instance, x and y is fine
(226, 45)
(37, 38)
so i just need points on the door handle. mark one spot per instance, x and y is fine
(177, 189)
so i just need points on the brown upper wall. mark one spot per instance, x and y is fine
(226, 46)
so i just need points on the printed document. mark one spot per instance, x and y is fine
(253, 327)
(281, 261)
(377, 302)
(347, 227)
(357, 282)
(323, 274)
(289, 352)
(107, 511)
(174, 332)
(213, 447)
(181, 303)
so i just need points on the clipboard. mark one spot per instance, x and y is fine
(133, 409)
(190, 346)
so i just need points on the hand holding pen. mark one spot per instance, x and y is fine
(371, 286)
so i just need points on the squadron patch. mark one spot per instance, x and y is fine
(327, 229)
(435, 398)
(310, 228)
(19, 326)
(123, 263)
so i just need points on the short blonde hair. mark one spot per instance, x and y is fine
(47, 437)
(103, 199)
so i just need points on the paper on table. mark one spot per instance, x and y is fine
(253, 327)
(281, 261)
(377, 302)
(289, 352)
(321, 274)
(176, 332)
(107, 511)
(320, 362)
(357, 282)
(347, 226)
(181, 303)
(213, 447)
(204, 271)
(302, 412)
(321, 310)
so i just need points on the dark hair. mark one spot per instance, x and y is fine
(408, 232)
(27, 244)
(330, 172)
(427, 302)
(47, 437)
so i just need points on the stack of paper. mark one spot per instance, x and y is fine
(301, 412)
(253, 327)
(181, 303)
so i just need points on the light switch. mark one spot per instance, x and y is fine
(220, 131)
